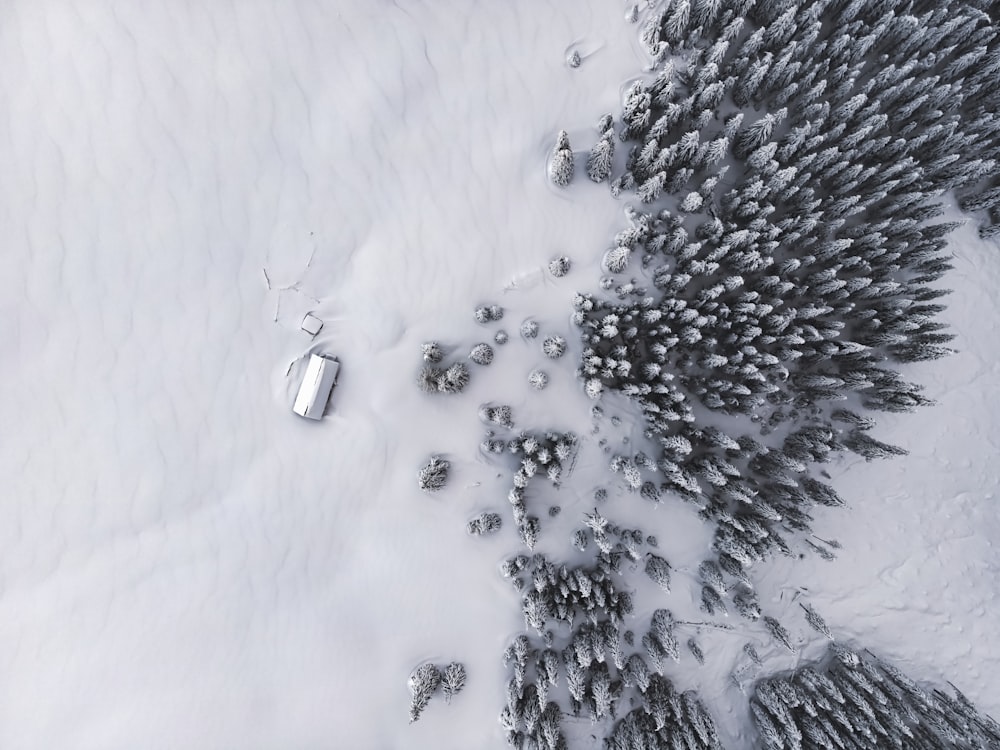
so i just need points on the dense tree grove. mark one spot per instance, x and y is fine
(855, 700)
(792, 156)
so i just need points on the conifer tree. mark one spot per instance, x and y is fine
(600, 159)
(658, 570)
(423, 682)
(561, 166)
(452, 680)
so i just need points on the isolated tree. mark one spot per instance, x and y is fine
(434, 475)
(538, 379)
(481, 354)
(559, 266)
(561, 165)
(554, 346)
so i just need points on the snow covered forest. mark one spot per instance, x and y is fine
(788, 164)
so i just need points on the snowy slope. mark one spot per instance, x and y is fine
(187, 564)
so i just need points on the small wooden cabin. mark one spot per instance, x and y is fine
(318, 381)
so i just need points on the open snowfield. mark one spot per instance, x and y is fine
(186, 563)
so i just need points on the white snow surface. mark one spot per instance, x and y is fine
(186, 563)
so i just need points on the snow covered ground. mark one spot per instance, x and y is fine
(185, 563)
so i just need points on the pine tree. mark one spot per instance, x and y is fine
(816, 622)
(561, 166)
(600, 160)
(658, 570)
(434, 475)
(453, 680)
(423, 682)
(756, 135)
(778, 632)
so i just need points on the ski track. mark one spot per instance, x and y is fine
(186, 564)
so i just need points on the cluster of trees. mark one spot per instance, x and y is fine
(559, 594)
(543, 454)
(501, 415)
(488, 314)
(485, 523)
(666, 719)
(599, 661)
(427, 679)
(530, 719)
(853, 700)
(452, 379)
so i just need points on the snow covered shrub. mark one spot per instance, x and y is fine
(538, 379)
(561, 166)
(529, 329)
(481, 354)
(594, 388)
(778, 632)
(559, 266)
(485, 523)
(554, 346)
(434, 475)
(664, 718)
(432, 352)
(423, 683)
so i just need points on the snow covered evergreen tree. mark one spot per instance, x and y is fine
(601, 157)
(423, 683)
(561, 165)
(434, 475)
(452, 680)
